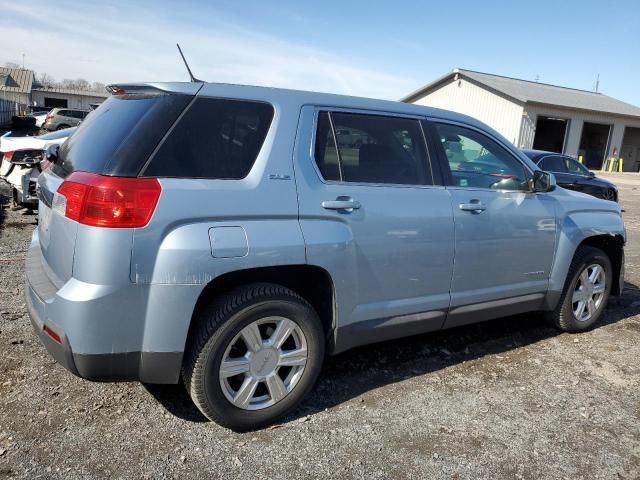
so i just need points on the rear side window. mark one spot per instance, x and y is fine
(215, 139)
(118, 137)
(371, 149)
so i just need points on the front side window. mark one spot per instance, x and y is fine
(552, 163)
(361, 148)
(575, 167)
(476, 161)
(215, 139)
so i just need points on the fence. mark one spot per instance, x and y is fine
(7, 110)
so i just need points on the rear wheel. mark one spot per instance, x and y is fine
(585, 293)
(62, 127)
(254, 355)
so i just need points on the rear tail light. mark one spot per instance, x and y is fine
(113, 202)
(49, 117)
(6, 157)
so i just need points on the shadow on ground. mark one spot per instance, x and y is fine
(355, 372)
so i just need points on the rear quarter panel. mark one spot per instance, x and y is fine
(174, 252)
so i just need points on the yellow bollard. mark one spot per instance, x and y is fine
(580, 158)
(620, 165)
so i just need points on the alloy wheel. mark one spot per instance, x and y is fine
(589, 292)
(263, 363)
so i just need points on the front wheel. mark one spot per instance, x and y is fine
(585, 293)
(609, 194)
(253, 356)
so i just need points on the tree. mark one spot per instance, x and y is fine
(11, 65)
(46, 80)
(82, 84)
(98, 87)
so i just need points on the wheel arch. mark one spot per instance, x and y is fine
(312, 283)
(613, 247)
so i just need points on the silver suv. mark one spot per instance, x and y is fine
(60, 118)
(225, 235)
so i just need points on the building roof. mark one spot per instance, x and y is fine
(66, 91)
(16, 80)
(525, 91)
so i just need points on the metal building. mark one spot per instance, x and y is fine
(20, 92)
(546, 117)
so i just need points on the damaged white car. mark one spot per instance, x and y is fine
(22, 161)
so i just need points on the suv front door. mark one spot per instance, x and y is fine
(504, 233)
(374, 217)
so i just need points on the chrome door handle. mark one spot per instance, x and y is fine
(347, 204)
(474, 206)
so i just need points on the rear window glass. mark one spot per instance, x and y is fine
(118, 137)
(215, 139)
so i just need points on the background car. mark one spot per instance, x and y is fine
(22, 162)
(573, 175)
(40, 117)
(60, 118)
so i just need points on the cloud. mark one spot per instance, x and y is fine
(101, 43)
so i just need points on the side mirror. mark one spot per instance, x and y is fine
(591, 174)
(543, 181)
(51, 153)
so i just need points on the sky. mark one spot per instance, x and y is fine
(374, 49)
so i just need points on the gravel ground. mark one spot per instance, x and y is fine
(510, 398)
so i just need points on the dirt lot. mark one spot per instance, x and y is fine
(510, 398)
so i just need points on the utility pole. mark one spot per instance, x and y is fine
(598, 83)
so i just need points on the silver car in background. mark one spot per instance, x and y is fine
(61, 118)
(228, 236)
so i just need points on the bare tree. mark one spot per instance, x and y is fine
(82, 84)
(68, 83)
(98, 87)
(11, 65)
(46, 80)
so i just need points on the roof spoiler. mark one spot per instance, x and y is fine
(154, 88)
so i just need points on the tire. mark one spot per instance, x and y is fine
(564, 316)
(219, 330)
(62, 127)
(609, 194)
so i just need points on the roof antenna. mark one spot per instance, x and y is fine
(193, 79)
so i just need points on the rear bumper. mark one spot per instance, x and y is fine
(23, 180)
(95, 338)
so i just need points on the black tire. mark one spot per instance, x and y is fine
(563, 316)
(62, 127)
(609, 194)
(218, 324)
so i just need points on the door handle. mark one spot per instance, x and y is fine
(474, 206)
(346, 204)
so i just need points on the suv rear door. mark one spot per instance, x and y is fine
(376, 217)
(504, 233)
